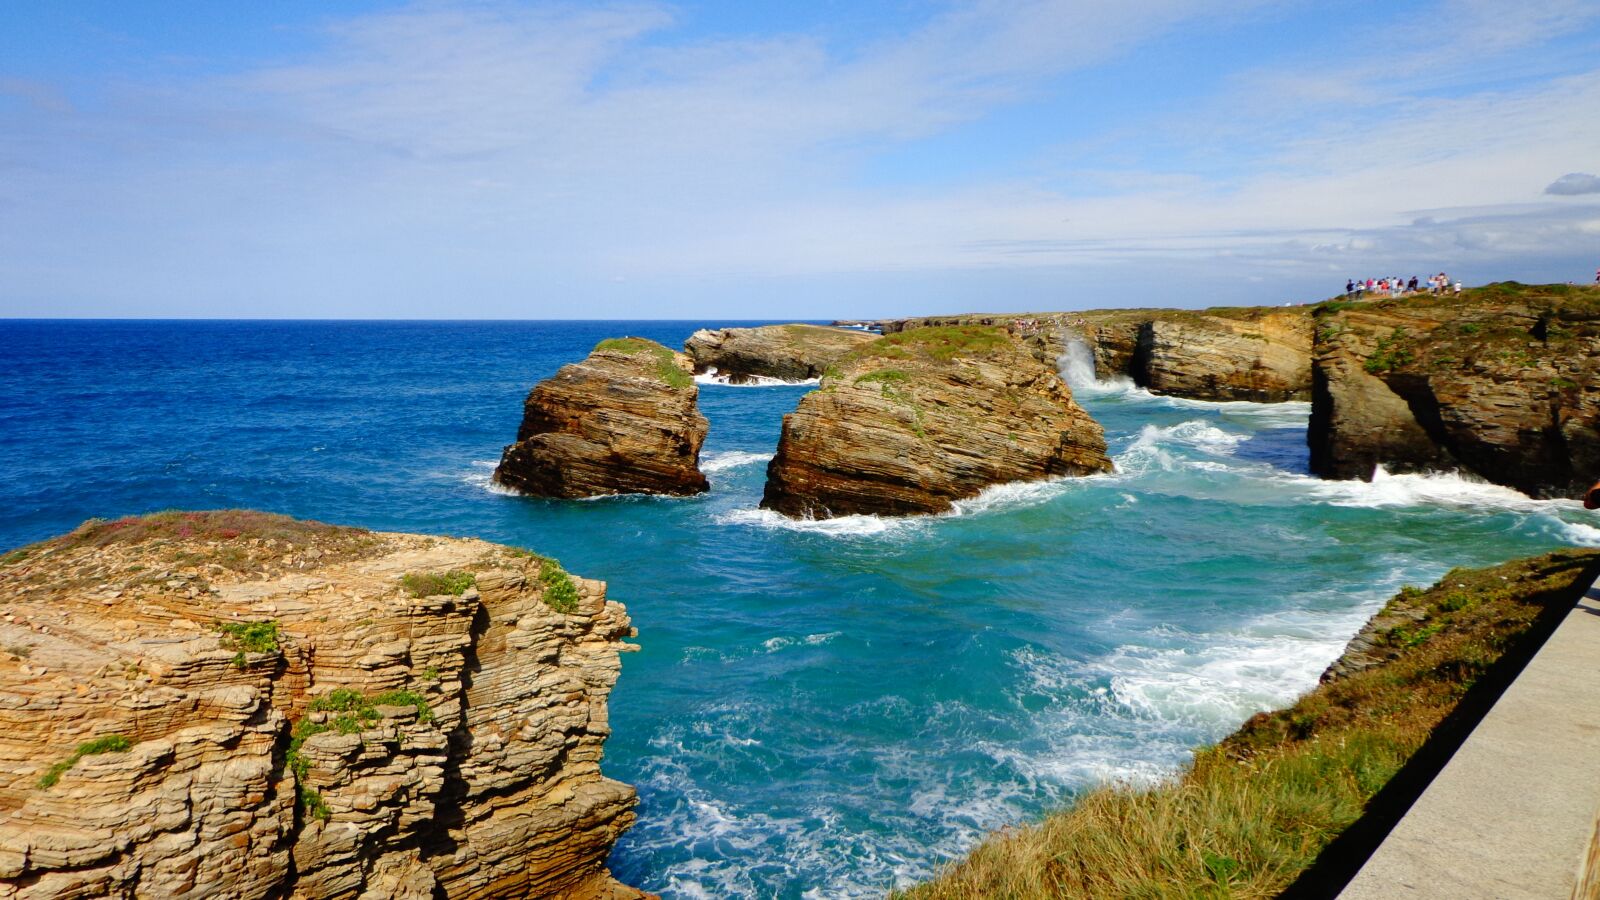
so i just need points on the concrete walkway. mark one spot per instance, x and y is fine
(1512, 813)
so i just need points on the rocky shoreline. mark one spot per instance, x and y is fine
(245, 705)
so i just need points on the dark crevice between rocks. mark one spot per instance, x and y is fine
(447, 810)
(1346, 854)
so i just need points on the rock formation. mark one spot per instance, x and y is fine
(243, 705)
(623, 421)
(1247, 353)
(1499, 381)
(915, 420)
(784, 352)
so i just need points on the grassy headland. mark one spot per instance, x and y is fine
(1255, 813)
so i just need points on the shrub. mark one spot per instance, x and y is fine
(560, 594)
(432, 584)
(111, 743)
(248, 637)
(1390, 354)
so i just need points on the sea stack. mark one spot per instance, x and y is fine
(783, 352)
(237, 704)
(1498, 381)
(623, 421)
(915, 420)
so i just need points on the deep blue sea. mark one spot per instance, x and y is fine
(819, 709)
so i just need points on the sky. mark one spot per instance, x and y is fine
(746, 160)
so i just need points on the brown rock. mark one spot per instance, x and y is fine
(1498, 381)
(1261, 354)
(449, 744)
(785, 352)
(920, 418)
(623, 421)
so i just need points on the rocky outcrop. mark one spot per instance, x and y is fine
(1261, 354)
(623, 421)
(1499, 382)
(242, 705)
(918, 419)
(783, 352)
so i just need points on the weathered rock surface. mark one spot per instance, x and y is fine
(1499, 381)
(623, 421)
(916, 420)
(1261, 354)
(359, 741)
(784, 352)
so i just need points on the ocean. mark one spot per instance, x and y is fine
(821, 709)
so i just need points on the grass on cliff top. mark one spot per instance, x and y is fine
(939, 343)
(1253, 812)
(203, 525)
(666, 365)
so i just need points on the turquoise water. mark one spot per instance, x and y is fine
(819, 709)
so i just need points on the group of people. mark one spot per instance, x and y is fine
(1395, 287)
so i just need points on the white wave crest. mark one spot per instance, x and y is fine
(773, 645)
(712, 377)
(1576, 533)
(732, 459)
(1447, 489)
(481, 476)
(842, 526)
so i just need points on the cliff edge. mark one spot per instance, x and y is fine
(233, 704)
(784, 352)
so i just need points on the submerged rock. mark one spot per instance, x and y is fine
(915, 420)
(236, 704)
(623, 421)
(1498, 381)
(784, 352)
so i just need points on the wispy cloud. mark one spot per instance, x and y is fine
(1573, 184)
(548, 160)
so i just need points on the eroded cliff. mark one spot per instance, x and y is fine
(625, 420)
(1261, 354)
(242, 705)
(784, 352)
(1498, 381)
(916, 420)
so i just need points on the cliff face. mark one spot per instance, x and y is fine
(786, 352)
(623, 421)
(242, 705)
(916, 420)
(1498, 381)
(1261, 354)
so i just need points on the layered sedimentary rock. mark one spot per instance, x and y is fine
(1248, 353)
(784, 352)
(241, 705)
(1499, 381)
(918, 419)
(623, 421)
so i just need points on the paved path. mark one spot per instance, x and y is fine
(1511, 814)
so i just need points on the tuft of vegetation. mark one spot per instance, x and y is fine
(249, 637)
(432, 584)
(667, 368)
(347, 711)
(20, 651)
(1333, 306)
(560, 594)
(204, 525)
(884, 377)
(111, 743)
(1390, 354)
(1253, 812)
(940, 343)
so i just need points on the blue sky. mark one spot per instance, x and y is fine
(749, 160)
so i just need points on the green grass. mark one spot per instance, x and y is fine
(249, 637)
(350, 712)
(884, 377)
(1390, 354)
(939, 343)
(432, 584)
(667, 368)
(560, 594)
(1255, 811)
(111, 743)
